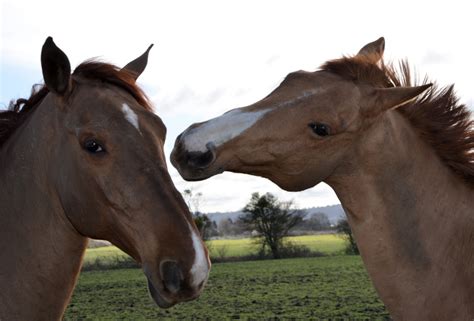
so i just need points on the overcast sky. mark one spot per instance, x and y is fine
(211, 56)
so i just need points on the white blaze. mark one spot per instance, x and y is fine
(221, 129)
(303, 96)
(233, 123)
(130, 116)
(200, 268)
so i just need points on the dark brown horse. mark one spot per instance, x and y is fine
(83, 157)
(400, 159)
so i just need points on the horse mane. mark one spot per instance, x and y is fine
(113, 75)
(437, 114)
(19, 110)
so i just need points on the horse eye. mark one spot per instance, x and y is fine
(93, 147)
(319, 129)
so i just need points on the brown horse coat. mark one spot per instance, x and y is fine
(83, 157)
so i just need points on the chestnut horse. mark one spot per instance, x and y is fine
(400, 159)
(83, 157)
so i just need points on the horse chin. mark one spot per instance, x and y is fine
(195, 178)
(292, 186)
(159, 299)
(199, 175)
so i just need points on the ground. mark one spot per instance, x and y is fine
(334, 287)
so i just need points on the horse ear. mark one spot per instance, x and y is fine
(383, 99)
(373, 50)
(56, 68)
(137, 66)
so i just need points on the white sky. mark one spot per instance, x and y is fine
(211, 56)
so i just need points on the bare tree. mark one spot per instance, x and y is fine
(203, 223)
(315, 222)
(193, 200)
(271, 219)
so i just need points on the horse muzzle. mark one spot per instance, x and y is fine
(194, 165)
(170, 287)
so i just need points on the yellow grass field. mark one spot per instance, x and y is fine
(326, 243)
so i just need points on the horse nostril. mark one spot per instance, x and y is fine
(171, 276)
(201, 159)
(201, 285)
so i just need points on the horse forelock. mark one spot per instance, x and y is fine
(111, 74)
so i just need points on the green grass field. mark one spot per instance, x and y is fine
(335, 287)
(327, 244)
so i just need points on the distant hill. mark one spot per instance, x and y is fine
(221, 216)
(334, 213)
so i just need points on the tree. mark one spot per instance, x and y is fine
(320, 221)
(315, 222)
(271, 219)
(344, 228)
(204, 225)
(227, 227)
(193, 200)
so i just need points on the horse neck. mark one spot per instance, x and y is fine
(40, 252)
(412, 219)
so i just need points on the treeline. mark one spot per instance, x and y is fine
(265, 218)
(269, 220)
(310, 223)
